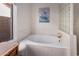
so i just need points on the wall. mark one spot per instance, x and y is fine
(23, 20)
(76, 24)
(3, 11)
(45, 28)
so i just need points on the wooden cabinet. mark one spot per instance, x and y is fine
(13, 52)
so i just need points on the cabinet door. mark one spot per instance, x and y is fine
(13, 52)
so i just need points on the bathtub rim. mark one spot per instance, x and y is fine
(29, 42)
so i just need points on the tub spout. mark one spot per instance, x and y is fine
(59, 41)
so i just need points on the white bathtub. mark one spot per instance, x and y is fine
(46, 40)
(43, 45)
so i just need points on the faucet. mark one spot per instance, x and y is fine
(59, 35)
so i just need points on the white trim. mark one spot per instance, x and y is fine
(14, 22)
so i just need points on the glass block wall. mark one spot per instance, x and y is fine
(65, 18)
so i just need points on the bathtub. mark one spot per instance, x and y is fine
(45, 40)
(43, 45)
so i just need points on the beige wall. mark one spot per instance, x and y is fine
(27, 13)
(45, 28)
(23, 20)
